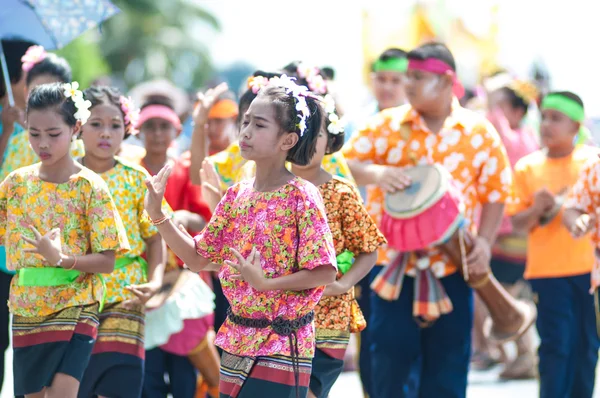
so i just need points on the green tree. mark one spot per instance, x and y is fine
(158, 38)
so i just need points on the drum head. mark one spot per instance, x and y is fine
(428, 184)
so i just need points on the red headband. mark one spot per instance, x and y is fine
(438, 67)
(159, 112)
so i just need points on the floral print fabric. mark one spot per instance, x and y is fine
(89, 222)
(289, 228)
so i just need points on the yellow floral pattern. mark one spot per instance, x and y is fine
(126, 184)
(82, 209)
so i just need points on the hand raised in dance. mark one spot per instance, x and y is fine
(48, 245)
(156, 192)
(391, 179)
(211, 184)
(206, 101)
(582, 225)
(249, 269)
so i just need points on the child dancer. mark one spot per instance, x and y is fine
(61, 228)
(116, 367)
(270, 241)
(179, 329)
(354, 235)
(558, 266)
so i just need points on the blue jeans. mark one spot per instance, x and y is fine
(569, 341)
(402, 353)
(181, 372)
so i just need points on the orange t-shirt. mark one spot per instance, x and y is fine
(551, 250)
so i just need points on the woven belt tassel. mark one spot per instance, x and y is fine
(431, 300)
(388, 283)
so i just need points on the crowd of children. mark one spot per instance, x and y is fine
(119, 265)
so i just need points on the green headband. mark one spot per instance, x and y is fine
(391, 65)
(565, 105)
(573, 110)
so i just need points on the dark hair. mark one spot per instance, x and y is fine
(328, 72)
(287, 117)
(515, 101)
(392, 53)
(107, 95)
(569, 95)
(335, 142)
(51, 65)
(158, 99)
(248, 96)
(52, 95)
(433, 50)
(13, 50)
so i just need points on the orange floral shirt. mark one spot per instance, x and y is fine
(585, 196)
(352, 229)
(467, 146)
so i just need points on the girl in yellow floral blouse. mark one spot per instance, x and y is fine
(356, 239)
(116, 367)
(61, 229)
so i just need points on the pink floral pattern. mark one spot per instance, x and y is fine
(289, 228)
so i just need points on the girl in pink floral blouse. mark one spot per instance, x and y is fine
(271, 244)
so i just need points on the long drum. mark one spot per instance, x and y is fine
(430, 212)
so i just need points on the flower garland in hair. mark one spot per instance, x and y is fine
(132, 114)
(312, 74)
(255, 83)
(71, 90)
(34, 55)
(299, 93)
(335, 125)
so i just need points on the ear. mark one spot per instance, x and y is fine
(448, 78)
(289, 140)
(76, 132)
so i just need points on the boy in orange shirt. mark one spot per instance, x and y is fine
(558, 266)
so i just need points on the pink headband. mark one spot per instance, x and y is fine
(159, 112)
(438, 67)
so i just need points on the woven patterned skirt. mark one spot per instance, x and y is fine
(45, 346)
(248, 377)
(116, 367)
(328, 363)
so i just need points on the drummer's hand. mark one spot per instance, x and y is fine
(582, 225)
(249, 269)
(391, 179)
(143, 293)
(478, 260)
(543, 200)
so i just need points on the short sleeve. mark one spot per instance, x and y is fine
(228, 164)
(369, 144)
(210, 243)
(361, 234)
(495, 177)
(585, 194)
(107, 232)
(521, 196)
(335, 164)
(315, 244)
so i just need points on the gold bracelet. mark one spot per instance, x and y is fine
(160, 220)
(74, 264)
(481, 283)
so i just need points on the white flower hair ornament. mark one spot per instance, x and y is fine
(71, 90)
(299, 93)
(335, 125)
